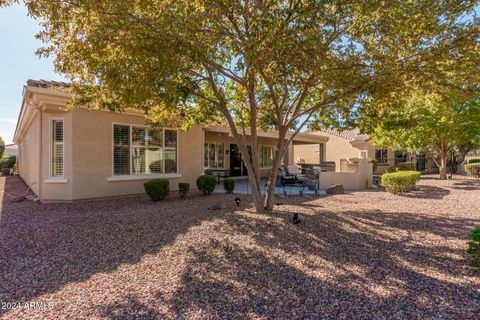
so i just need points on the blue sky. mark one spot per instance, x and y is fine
(18, 63)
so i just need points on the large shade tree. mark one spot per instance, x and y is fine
(252, 65)
(435, 124)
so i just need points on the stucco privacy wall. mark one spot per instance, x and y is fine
(358, 179)
(338, 148)
(367, 145)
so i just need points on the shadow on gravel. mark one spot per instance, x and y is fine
(129, 309)
(371, 275)
(427, 192)
(46, 246)
(466, 185)
(369, 264)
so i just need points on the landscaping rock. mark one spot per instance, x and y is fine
(362, 255)
(335, 189)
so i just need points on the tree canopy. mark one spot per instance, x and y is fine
(262, 65)
(427, 122)
(2, 147)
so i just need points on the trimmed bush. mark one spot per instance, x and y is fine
(473, 169)
(229, 185)
(183, 188)
(405, 166)
(375, 163)
(401, 181)
(474, 247)
(206, 184)
(474, 161)
(157, 189)
(7, 161)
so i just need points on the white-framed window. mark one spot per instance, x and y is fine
(363, 154)
(57, 148)
(381, 155)
(213, 155)
(266, 154)
(140, 150)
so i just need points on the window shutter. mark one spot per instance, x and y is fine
(57, 148)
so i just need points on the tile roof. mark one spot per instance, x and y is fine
(352, 135)
(47, 83)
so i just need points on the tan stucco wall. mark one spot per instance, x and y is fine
(50, 189)
(88, 152)
(360, 179)
(28, 154)
(311, 153)
(92, 135)
(338, 148)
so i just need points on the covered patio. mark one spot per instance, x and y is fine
(242, 187)
(221, 155)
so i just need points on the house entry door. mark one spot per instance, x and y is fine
(237, 165)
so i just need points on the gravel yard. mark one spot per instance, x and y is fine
(369, 255)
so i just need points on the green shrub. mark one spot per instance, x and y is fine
(375, 163)
(401, 181)
(405, 166)
(206, 184)
(183, 188)
(474, 247)
(473, 169)
(229, 185)
(157, 189)
(474, 161)
(7, 161)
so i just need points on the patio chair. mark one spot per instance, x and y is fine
(311, 180)
(293, 170)
(285, 178)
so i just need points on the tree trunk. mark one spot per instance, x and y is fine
(443, 164)
(272, 179)
(256, 194)
(253, 173)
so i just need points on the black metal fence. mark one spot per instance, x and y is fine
(453, 176)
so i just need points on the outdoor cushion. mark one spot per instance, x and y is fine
(293, 170)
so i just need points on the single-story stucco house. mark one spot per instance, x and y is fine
(70, 154)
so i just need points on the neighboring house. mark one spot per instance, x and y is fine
(343, 145)
(11, 150)
(475, 154)
(80, 154)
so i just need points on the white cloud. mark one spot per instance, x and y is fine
(9, 120)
